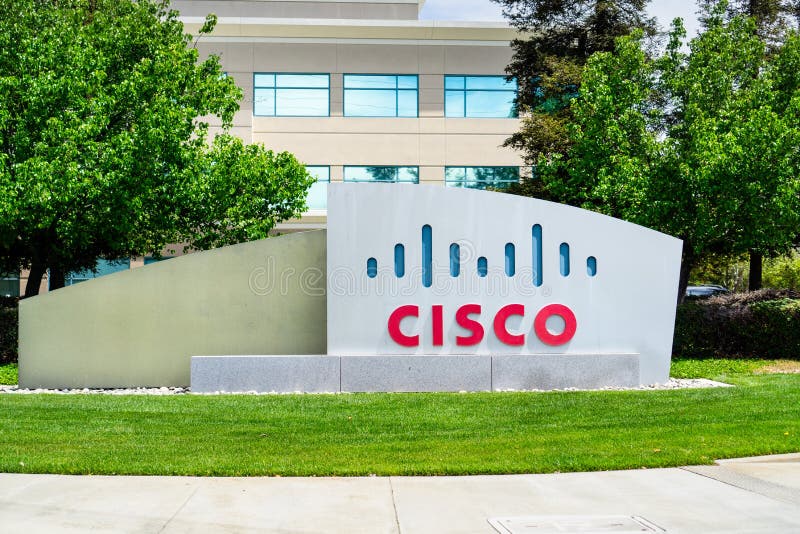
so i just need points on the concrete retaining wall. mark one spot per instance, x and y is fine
(141, 327)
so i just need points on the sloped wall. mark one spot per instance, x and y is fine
(141, 327)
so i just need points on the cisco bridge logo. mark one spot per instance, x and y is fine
(431, 270)
(468, 316)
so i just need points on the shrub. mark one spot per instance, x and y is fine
(756, 324)
(8, 330)
(9, 374)
(783, 271)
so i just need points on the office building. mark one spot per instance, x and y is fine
(363, 91)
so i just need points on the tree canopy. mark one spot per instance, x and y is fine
(773, 18)
(105, 145)
(559, 37)
(701, 145)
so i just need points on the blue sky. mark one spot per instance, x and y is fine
(475, 10)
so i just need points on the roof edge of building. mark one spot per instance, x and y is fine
(355, 28)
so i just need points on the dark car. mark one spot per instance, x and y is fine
(705, 291)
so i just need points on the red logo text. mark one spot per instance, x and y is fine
(467, 317)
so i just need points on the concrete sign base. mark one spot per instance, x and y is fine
(333, 374)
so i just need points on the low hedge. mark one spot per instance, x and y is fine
(8, 330)
(757, 324)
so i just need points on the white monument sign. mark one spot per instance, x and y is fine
(427, 288)
(429, 271)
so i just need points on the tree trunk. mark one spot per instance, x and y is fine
(35, 279)
(753, 9)
(756, 271)
(56, 278)
(687, 262)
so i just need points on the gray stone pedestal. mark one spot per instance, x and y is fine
(332, 374)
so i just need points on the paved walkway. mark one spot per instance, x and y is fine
(747, 495)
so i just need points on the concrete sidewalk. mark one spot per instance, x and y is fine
(747, 495)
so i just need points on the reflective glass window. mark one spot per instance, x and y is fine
(481, 177)
(152, 259)
(9, 285)
(382, 174)
(318, 193)
(291, 95)
(381, 95)
(102, 268)
(479, 97)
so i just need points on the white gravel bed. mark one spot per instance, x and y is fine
(87, 391)
(674, 383)
(688, 383)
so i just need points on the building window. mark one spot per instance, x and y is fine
(318, 193)
(291, 95)
(148, 260)
(479, 97)
(481, 177)
(103, 268)
(368, 95)
(408, 175)
(9, 285)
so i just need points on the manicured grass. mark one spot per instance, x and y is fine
(717, 369)
(8, 374)
(398, 434)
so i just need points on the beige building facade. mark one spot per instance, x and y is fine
(352, 41)
(363, 90)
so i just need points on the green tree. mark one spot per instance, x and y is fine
(105, 148)
(773, 19)
(702, 145)
(559, 37)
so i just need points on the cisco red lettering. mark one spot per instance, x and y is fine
(438, 326)
(394, 325)
(463, 320)
(500, 324)
(540, 324)
(475, 328)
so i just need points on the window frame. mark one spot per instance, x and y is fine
(396, 89)
(464, 91)
(276, 87)
(397, 167)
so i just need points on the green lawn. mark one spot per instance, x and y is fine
(718, 369)
(409, 434)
